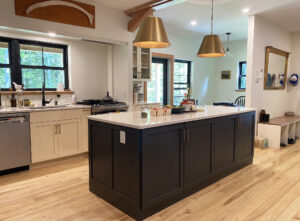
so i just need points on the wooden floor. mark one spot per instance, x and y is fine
(267, 190)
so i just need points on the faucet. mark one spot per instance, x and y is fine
(44, 102)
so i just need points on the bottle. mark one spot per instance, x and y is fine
(13, 101)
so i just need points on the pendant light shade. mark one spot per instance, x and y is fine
(211, 46)
(152, 34)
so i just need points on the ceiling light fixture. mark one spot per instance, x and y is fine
(152, 34)
(246, 10)
(193, 23)
(51, 34)
(211, 46)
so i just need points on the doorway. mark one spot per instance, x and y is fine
(157, 88)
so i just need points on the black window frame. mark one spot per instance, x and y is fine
(241, 74)
(188, 83)
(15, 61)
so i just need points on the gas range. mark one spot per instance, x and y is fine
(101, 106)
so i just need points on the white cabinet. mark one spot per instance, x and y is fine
(142, 60)
(43, 141)
(68, 137)
(56, 134)
(85, 130)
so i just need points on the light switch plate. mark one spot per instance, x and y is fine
(122, 137)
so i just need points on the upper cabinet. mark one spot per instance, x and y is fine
(142, 60)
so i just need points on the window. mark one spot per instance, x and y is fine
(5, 69)
(157, 88)
(182, 76)
(31, 63)
(242, 75)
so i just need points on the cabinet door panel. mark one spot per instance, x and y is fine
(126, 164)
(224, 138)
(43, 141)
(84, 130)
(101, 153)
(198, 152)
(68, 137)
(161, 164)
(245, 136)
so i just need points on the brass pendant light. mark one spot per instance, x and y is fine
(152, 34)
(211, 46)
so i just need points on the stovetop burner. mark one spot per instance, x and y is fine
(101, 106)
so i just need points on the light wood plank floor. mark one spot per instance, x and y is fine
(267, 190)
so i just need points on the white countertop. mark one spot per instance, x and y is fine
(26, 109)
(134, 119)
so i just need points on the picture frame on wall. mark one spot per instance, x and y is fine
(225, 75)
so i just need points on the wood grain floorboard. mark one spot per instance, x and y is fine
(267, 190)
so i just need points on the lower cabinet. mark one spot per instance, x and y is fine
(56, 134)
(162, 164)
(43, 141)
(224, 141)
(144, 171)
(197, 149)
(68, 137)
(245, 136)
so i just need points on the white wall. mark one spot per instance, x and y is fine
(295, 68)
(225, 90)
(111, 24)
(206, 83)
(263, 33)
(88, 64)
(186, 48)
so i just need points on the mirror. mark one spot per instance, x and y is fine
(276, 64)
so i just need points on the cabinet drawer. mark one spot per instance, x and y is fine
(47, 116)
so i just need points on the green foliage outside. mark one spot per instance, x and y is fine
(33, 78)
(4, 72)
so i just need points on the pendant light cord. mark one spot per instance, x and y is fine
(212, 16)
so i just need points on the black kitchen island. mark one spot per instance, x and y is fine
(141, 166)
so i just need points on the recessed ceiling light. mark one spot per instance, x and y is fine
(51, 34)
(193, 23)
(246, 10)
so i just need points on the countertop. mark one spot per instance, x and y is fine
(27, 110)
(134, 120)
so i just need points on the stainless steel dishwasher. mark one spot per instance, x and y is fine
(14, 142)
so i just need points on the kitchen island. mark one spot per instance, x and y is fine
(144, 165)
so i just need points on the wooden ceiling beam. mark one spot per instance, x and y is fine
(132, 11)
(137, 20)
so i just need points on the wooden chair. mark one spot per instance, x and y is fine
(240, 101)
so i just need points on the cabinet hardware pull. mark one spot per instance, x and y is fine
(55, 132)
(59, 129)
(187, 138)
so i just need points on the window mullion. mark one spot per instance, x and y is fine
(16, 75)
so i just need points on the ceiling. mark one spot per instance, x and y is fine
(287, 17)
(228, 15)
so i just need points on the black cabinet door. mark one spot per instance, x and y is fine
(197, 149)
(161, 164)
(245, 136)
(126, 164)
(101, 153)
(224, 141)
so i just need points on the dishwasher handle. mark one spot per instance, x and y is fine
(12, 120)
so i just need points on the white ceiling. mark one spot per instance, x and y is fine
(287, 17)
(228, 15)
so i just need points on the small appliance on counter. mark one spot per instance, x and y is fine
(105, 105)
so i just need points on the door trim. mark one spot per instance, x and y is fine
(171, 61)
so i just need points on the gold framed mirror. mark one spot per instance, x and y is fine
(276, 65)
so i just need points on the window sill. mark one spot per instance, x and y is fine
(240, 90)
(37, 92)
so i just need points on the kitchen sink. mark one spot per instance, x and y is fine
(46, 107)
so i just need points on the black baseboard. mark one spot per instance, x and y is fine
(13, 170)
